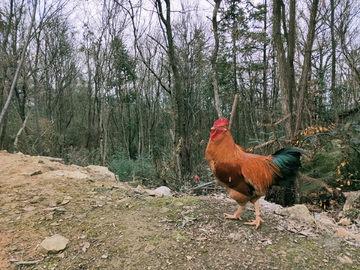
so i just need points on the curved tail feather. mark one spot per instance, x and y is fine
(288, 161)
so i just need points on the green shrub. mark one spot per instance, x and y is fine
(127, 168)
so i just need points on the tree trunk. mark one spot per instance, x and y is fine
(214, 58)
(13, 85)
(20, 131)
(89, 98)
(265, 96)
(185, 157)
(286, 66)
(307, 63)
(140, 122)
(333, 63)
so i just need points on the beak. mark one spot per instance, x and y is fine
(212, 128)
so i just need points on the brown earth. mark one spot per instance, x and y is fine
(112, 225)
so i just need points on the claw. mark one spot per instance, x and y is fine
(232, 216)
(237, 214)
(255, 222)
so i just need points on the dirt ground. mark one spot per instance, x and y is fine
(112, 225)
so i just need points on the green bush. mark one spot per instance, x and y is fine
(127, 168)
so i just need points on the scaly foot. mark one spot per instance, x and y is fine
(255, 222)
(232, 216)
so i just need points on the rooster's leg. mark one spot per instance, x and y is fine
(237, 214)
(258, 219)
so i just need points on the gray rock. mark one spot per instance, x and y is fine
(351, 197)
(299, 211)
(100, 173)
(165, 191)
(139, 189)
(61, 174)
(53, 244)
(32, 173)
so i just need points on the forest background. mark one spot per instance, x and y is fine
(136, 85)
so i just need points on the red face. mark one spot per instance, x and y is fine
(220, 126)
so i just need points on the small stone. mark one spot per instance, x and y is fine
(53, 244)
(104, 256)
(178, 204)
(49, 216)
(149, 248)
(66, 200)
(32, 173)
(55, 224)
(52, 204)
(164, 210)
(139, 189)
(29, 208)
(36, 199)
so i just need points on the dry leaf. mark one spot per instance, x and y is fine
(307, 233)
(201, 239)
(86, 246)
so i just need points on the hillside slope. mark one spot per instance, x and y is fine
(111, 225)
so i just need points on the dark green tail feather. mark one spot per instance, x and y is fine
(288, 161)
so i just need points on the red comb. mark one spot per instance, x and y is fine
(221, 122)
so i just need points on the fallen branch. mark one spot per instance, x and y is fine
(202, 186)
(24, 262)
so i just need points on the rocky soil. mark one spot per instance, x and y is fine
(92, 221)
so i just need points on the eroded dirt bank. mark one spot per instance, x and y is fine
(111, 225)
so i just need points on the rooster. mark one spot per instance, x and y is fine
(247, 176)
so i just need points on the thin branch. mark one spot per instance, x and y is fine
(274, 124)
(24, 262)
(132, 15)
(318, 181)
(158, 43)
(233, 110)
(202, 186)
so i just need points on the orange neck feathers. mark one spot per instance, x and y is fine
(223, 148)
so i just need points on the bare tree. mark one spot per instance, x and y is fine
(26, 43)
(333, 62)
(307, 63)
(286, 63)
(181, 135)
(214, 58)
(348, 31)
